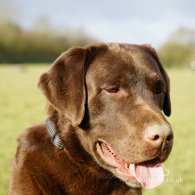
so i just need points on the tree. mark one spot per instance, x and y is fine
(179, 50)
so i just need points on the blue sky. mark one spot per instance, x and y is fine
(140, 21)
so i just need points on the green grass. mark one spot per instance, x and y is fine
(22, 104)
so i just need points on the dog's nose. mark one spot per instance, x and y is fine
(158, 135)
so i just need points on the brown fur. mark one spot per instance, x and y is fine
(84, 111)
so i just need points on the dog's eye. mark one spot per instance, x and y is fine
(158, 87)
(112, 89)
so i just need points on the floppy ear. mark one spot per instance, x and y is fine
(63, 85)
(166, 102)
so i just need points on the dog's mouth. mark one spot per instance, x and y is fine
(147, 174)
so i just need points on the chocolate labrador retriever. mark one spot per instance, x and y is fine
(105, 132)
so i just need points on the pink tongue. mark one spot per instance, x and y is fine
(149, 175)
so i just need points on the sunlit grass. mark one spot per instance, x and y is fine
(22, 104)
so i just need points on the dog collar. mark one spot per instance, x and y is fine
(55, 139)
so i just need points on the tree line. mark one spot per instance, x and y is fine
(18, 45)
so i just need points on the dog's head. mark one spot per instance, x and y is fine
(115, 95)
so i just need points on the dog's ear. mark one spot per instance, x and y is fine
(64, 84)
(166, 102)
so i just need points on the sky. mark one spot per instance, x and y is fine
(140, 21)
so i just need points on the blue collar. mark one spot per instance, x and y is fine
(55, 139)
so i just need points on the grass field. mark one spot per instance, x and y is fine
(22, 104)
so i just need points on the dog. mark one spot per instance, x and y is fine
(105, 132)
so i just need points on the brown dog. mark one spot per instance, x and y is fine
(108, 133)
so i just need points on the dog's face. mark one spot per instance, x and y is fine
(115, 94)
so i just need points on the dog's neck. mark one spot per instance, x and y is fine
(75, 152)
(72, 145)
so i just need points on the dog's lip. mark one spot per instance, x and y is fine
(155, 160)
(114, 168)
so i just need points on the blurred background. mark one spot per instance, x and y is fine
(34, 33)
